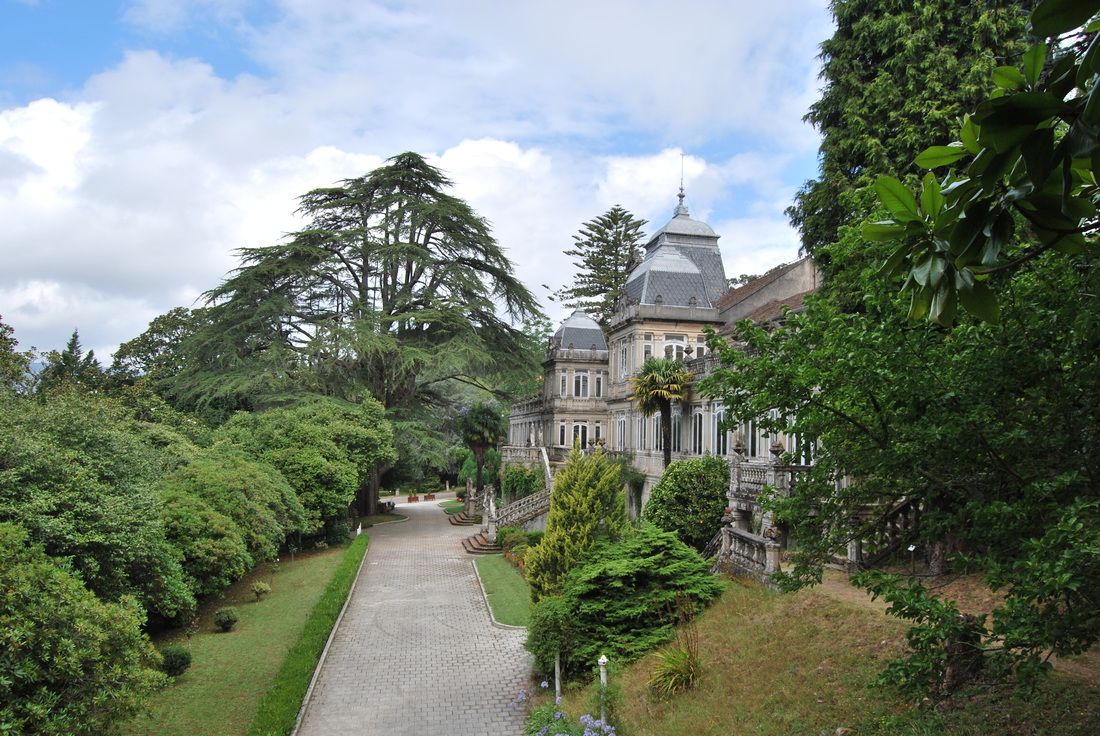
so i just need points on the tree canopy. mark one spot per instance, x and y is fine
(395, 286)
(1029, 184)
(603, 251)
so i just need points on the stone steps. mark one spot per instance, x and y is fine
(479, 544)
(462, 519)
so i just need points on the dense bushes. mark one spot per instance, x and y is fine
(587, 504)
(76, 477)
(324, 448)
(213, 549)
(518, 482)
(490, 472)
(689, 499)
(175, 659)
(70, 663)
(255, 496)
(621, 600)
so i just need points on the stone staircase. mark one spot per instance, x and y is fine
(479, 544)
(464, 519)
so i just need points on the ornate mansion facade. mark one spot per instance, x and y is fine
(677, 291)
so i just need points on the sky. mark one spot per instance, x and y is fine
(143, 141)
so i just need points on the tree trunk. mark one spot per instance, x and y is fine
(479, 457)
(964, 654)
(666, 433)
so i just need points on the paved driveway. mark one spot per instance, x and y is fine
(416, 654)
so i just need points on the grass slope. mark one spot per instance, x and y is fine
(507, 591)
(805, 664)
(279, 708)
(220, 693)
(452, 507)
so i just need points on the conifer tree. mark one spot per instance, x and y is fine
(586, 505)
(603, 250)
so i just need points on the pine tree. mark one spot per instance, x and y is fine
(72, 366)
(586, 505)
(603, 250)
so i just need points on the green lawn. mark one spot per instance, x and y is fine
(452, 507)
(508, 594)
(230, 672)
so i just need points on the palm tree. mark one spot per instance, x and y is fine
(660, 382)
(481, 427)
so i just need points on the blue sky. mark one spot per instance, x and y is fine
(142, 141)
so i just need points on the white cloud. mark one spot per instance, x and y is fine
(128, 197)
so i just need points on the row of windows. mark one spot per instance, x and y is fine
(581, 384)
(580, 434)
(676, 346)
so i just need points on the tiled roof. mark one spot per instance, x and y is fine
(773, 310)
(740, 293)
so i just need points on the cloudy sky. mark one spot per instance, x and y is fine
(143, 141)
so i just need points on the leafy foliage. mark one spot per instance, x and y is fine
(468, 470)
(226, 618)
(72, 664)
(15, 366)
(175, 659)
(326, 450)
(586, 505)
(690, 498)
(619, 601)
(211, 544)
(896, 75)
(659, 383)
(603, 252)
(253, 495)
(396, 287)
(70, 368)
(519, 482)
(481, 428)
(75, 475)
(1029, 184)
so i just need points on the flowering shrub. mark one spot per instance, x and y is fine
(549, 719)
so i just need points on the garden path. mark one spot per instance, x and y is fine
(416, 653)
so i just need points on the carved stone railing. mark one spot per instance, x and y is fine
(884, 534)
(521, 511)
(516, 455)
(748, 554)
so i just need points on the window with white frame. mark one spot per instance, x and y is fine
(561, 435)
(563, 380)
(700, 346)
(658, 436)
(580, 434)
(697, 433)
(721, 436)
(598, 430)
(676, 343)
(599, 384)
(641, 433)
(622, 358)
(676, 428)
(580, 385)
(620, 432)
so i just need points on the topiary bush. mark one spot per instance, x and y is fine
(226, 618)
(623, 599)
(175, 659)
(690, 499)
(260, 589)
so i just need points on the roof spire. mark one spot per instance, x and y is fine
(681, 209)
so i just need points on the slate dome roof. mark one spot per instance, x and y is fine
(580, 332)
(682, 266)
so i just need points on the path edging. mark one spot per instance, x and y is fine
(328, 642)
(485, 599)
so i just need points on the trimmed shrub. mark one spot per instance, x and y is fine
(690, 498)
(226, 618)
(587, 505)
(175, 659)
(260, 589)
(622, 600)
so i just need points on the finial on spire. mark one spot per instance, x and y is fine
(681, 209)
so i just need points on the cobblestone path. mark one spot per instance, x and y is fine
(416, 653)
